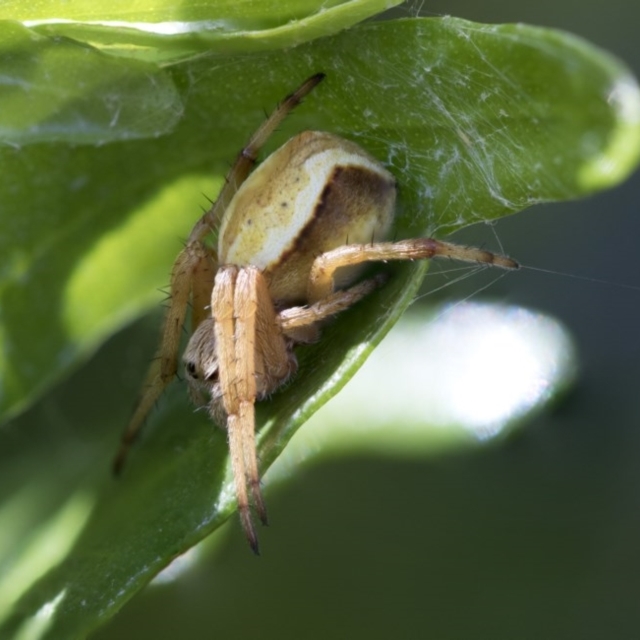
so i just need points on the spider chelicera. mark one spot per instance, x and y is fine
(282, 267)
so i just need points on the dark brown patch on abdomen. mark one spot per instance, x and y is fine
(352, 194)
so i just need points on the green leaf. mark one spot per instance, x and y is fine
(169, 31)
(475, 121)
(57, 89)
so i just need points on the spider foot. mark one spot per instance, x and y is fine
(258, 501)
(249, 528)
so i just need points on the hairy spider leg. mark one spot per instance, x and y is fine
(321, 279)
(253, 360)
(192, 274)
(294, 318)
(222, 307)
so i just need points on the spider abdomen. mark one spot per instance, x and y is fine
(315, 193)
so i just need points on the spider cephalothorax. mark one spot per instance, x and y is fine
(282, 267)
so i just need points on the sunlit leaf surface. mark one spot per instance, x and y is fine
(169, 31)
(462, 374)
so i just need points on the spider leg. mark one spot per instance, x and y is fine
(202, 281)
(245, 310)
(274, 359)
(254, 360)
(193, 265)
(247, 158)
(222, 307)
(325, 265)
(292, 319)
(265, 361)
(237, 381)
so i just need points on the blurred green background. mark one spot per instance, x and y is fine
(532, 536)
(536, 536)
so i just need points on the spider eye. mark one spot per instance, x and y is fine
(212, 377)
(191, 369)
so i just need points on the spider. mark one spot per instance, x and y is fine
(282, 267)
